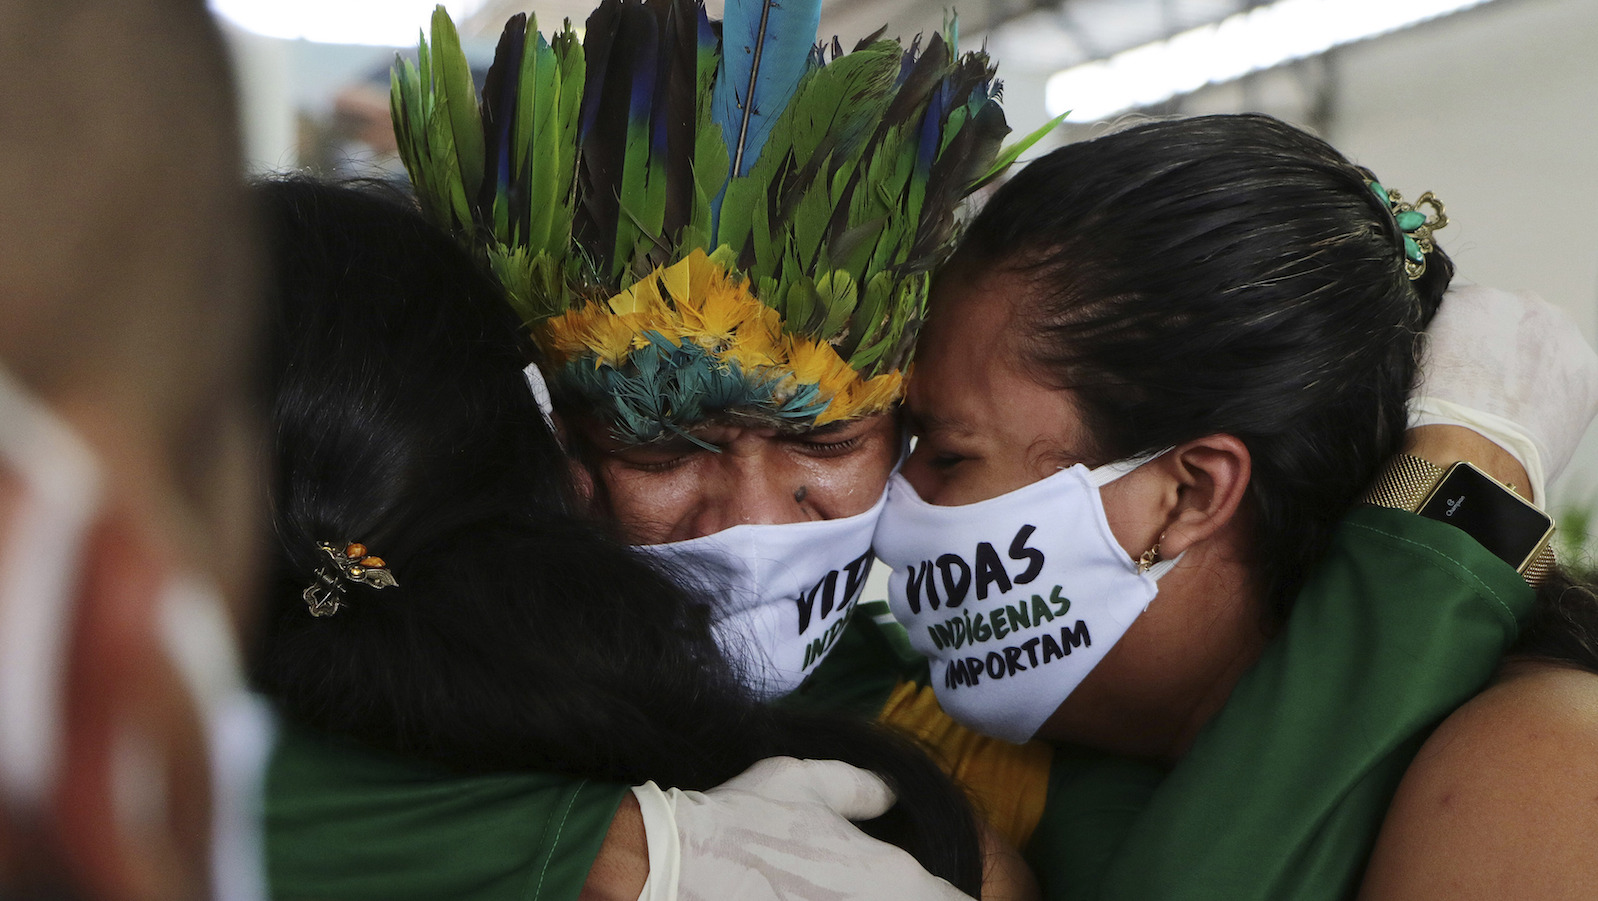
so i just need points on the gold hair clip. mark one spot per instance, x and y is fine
(326, 597)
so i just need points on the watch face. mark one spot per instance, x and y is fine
(1500, 520)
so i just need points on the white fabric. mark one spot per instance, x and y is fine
(1515, 369)
(664, 845)
(1013, 599)
(780, 830)
(780, 593)
(540, 389)
(239, 729)
(39, 556)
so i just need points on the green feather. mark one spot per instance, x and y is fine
(536, 156)
(572, 66)
(1010, 154)
(839, 296)
(452, 77)
(802, 303)
(868, 319)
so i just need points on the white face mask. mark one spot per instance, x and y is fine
(1013, 599)
(61, 488)
(780, 594)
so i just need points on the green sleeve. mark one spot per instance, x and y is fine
(1282, 794)
(346, 824)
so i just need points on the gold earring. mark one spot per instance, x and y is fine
(1150, 556)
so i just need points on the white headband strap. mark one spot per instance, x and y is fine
(540, 389)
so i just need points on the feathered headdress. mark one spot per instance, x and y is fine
(699, 220)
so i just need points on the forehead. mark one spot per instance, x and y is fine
(970, 377)
(722, 430)
(969, 348)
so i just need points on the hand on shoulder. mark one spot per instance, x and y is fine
(1502, 800)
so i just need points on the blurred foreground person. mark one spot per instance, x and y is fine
(124, 292)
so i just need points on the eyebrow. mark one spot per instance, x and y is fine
(938, 422)
(831, 428)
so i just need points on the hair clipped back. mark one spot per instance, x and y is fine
(1223, 274)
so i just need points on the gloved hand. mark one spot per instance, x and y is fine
(1514, 368)
(779, 830)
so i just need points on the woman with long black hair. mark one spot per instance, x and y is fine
(1156, 381)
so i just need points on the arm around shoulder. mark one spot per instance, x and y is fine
(622, 867)
(1502, 800)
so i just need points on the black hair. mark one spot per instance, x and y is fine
(1563, 627)
(1222, 274)
(519, 637)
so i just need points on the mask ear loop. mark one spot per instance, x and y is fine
(1109, 472)
(38, 573)
(1164, 566)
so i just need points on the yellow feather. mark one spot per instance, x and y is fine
(697, 299)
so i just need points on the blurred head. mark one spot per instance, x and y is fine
(126, 286)
(1227, 290)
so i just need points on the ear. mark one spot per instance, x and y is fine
(1208, 478)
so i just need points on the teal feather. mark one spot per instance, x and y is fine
(667, 387)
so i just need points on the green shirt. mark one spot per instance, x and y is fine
(346, 823)
(1283, 792)
(1280, 796)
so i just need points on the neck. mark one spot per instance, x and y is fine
(1176, 666)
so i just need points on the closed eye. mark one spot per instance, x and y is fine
(831, 448)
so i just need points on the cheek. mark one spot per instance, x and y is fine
(1131, 507)
(648, 505)
(836, 487)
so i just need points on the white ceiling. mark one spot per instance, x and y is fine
(1028, 35)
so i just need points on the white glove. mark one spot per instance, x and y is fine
(1514, 368)
(779, 830)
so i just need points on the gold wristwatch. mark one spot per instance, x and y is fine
(1503, 522)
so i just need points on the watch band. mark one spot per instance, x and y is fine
(1406, 481)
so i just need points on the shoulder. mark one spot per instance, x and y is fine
(1502, 800)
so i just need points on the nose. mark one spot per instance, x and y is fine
(918, 471)
(749, 489)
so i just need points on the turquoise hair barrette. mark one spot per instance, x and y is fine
(1416, 226)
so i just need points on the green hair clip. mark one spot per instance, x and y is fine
(1416, 226)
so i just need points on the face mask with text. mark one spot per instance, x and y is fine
(780, 593)
(1013, 599)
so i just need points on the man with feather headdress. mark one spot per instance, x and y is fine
(722, 237)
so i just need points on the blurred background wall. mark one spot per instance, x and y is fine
(1489, 107)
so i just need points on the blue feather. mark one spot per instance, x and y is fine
(931, 137)
(498, 110)
(907, 62)
(765, 51)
